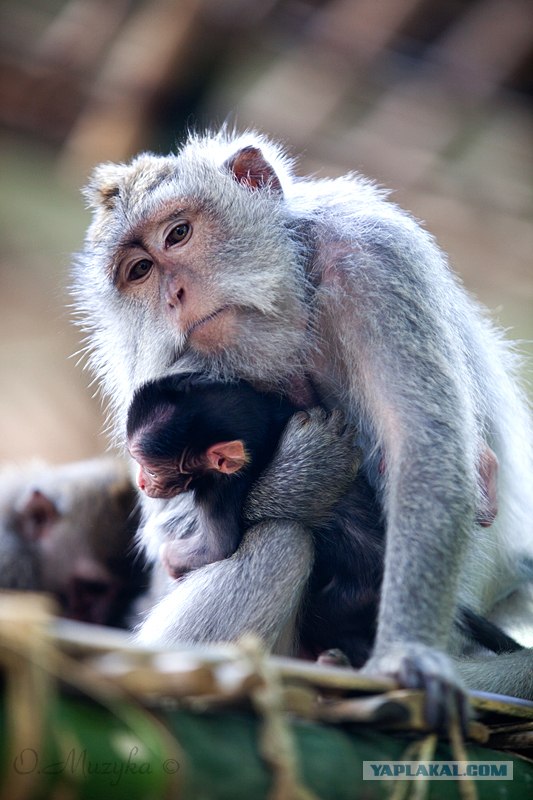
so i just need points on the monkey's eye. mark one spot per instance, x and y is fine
(178, 234)
(140, 270)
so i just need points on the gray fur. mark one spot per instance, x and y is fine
(187, 613)
(331, 278)
(508, 674)
(314, 466)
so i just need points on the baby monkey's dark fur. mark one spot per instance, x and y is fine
(189, 433)
(175, 422)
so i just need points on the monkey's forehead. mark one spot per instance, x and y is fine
(124, 196)
(133, 191)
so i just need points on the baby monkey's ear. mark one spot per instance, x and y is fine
(226, 457)
(104, 185)
(250, 168)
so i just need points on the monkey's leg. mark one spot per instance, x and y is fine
(507, 673)
(258, 590)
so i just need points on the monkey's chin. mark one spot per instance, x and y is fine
(164, 494)
(215, 332)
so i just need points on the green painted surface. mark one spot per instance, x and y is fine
(90, 752)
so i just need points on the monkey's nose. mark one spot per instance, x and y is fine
(141, 481)
(176, 296)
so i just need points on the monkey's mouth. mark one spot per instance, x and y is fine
(205, 320)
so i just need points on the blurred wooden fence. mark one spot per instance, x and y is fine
(101, 75)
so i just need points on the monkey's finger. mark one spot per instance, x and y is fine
(444, 700)
(337, 420)
(445, 704)
(441, 698)
(410, 676)
(318, 413)
(438, 697)
(303, 417)
(341, 426)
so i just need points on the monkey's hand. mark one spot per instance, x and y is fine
(182, 555)
(314, 465)
(417, 666)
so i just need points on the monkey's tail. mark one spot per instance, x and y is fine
(486, 633)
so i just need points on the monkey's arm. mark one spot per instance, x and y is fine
(222, 601)
(314, 465)
(392, 329)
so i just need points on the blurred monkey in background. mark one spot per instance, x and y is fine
(69, 530)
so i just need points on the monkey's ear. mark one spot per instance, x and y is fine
(226, 457)
(104, 185)
(250, 168)
(37, 516)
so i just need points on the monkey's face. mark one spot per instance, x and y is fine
(173, 271)
(162, 480)
(186, 256)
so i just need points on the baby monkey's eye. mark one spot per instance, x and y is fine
(178, 234)
(140, 269)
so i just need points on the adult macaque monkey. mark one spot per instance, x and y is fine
(217, 259)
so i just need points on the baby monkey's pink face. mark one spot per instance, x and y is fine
(166, 478)
(162, 479)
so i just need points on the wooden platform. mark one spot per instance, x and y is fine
(85, 713)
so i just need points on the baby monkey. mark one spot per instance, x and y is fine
(190, 434)
(219, 440)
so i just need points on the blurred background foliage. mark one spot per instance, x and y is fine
(432, 98)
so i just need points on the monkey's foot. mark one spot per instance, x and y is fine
(416, 666)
